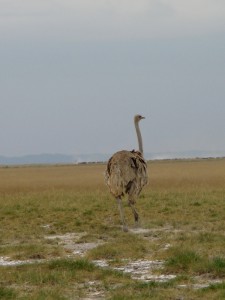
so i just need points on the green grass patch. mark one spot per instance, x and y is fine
(216, 266)
(124, 245)
(72, 265)
(26, 251)
(183, 260)
(183, 207)
(7, 293)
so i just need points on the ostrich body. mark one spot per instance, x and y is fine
(126, 173)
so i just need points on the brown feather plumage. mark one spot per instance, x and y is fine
(126, 173)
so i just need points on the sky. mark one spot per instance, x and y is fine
(74, 73)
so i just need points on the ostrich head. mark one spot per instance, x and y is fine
(138, 118)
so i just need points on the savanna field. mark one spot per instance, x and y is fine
(60, 233)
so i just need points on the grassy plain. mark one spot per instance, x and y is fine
(182, 210)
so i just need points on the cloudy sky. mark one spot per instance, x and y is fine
(74, 72)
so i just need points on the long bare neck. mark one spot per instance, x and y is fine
(140, 143)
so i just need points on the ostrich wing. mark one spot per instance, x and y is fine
(126, 173)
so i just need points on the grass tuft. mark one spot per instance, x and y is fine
(217, 266)
(7, 293)
(123, 246)
(70, 264)
(183, 260)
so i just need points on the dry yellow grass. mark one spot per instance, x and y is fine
(39, 178)
(207, 173)
(174, 174)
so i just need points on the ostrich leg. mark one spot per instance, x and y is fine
(120, 205)
(135, 213)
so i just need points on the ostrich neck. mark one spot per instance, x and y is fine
(140, 144)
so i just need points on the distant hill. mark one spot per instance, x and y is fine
(36, 159)
(48, 158)
(185, 155)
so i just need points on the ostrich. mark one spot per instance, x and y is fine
(126, 173)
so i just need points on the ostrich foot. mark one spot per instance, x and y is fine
(125, 228)
(137, 224)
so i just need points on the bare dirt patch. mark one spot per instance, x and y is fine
(71, 242)
(141, 269)
(6, 261)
